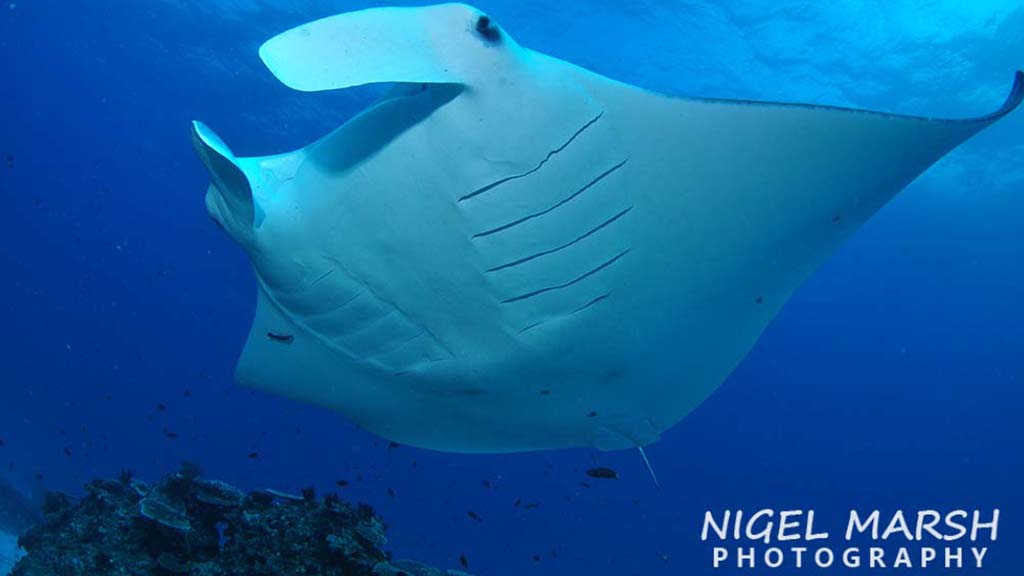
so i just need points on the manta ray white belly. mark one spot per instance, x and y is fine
(510, 253)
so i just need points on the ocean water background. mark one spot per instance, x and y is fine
(893, 379)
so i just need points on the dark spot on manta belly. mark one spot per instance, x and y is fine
(487, 29)
(282, 338)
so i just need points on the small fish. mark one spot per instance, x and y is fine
(517, 503)
(474, 516)
(161, 408)
(463, 561)
(282, 338)
(67, 451)
(253, 455)
(531, 505)
(393, 445)
(169, 434)
(486, 483)
(603, 473)
(536, 557)
(391, 493)
(341, 483)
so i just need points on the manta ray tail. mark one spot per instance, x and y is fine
(649, 467)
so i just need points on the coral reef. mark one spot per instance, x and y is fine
(191, 525)
(16, 510)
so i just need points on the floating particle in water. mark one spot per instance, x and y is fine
(161, 408)
(341, 483)
(474, 516)
(393, 445)
(536, 557)
(517, 503)
(532, 505)
(486, 483)
(2, 442)
(603, 473)
(67, 451)
(253, 455)
(169, 434)
(391, 492)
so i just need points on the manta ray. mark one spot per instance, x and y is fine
(508, 252)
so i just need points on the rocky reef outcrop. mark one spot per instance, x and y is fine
(189, 525)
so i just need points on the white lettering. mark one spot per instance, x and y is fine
(764, 535)
(719, 555)
(958, 555)
(979, 555)
(902, 559)
(928, 525)
(748, 557)
(927, 555)
(851, 558)
(978, 524)
(720, 530)
(824, 552)
(855, 522)
(961, 530)
(877, 558)
(784, 524)
(898, 524)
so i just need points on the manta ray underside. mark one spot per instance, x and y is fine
(508, 252)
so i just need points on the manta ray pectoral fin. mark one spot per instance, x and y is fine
(229, 200)
(1012, 101)
(444, 44)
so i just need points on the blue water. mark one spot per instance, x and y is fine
(893, 379)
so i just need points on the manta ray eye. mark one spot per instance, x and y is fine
(487, 29)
